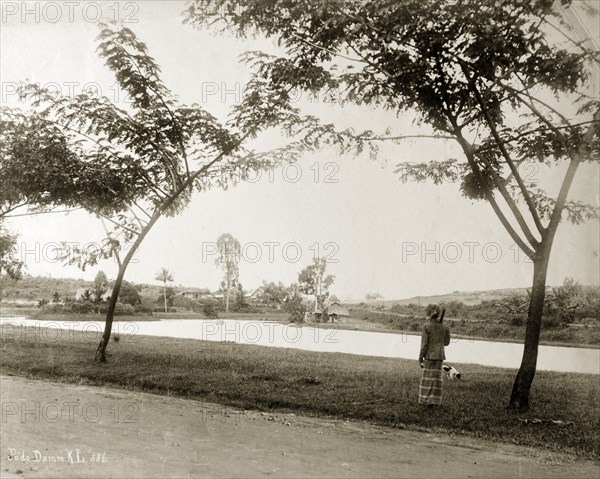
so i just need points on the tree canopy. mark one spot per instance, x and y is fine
(503, 79)
(132, 165)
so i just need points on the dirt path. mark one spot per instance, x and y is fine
(125, 434)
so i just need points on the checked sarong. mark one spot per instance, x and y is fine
(430, 389)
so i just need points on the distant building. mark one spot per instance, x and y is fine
(197, 294)
(257, 295)
(336, 311)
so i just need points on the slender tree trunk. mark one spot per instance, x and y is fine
(519, 398)
(165, 294)
(112, 304)
(110, 313)
(228, 286)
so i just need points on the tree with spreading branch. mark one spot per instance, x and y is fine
(132, 166)
(504, 79)
(164, 276)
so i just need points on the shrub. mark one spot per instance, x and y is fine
(145, 306)
(296, 316)
(52, 308)
(129, 294)
(415, 326)
(210, 311)
(120, 309)
(517, 321)
(83, 307)
(296, 307)
(454, 308)
(550, 322)
(184, 303)
(65, 308)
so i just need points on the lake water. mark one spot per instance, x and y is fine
(269, 333)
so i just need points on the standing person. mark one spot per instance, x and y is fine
(431, 356)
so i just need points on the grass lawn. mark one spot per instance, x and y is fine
(378, 390)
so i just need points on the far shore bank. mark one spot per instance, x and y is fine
(354, 325)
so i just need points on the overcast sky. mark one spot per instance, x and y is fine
(379, 234)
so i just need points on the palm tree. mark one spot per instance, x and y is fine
(164, 275)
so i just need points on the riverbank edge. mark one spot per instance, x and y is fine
(381, 391)
(341, 326)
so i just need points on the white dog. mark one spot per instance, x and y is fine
(451, 373)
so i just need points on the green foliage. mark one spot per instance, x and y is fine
(121, 309)
(100, 286)
(295, 305)
(41, 287)
(164, 276)
(572, 301)
(10, 264)
(39, 158)
(84, 306)
(312, 281)
(474, 71)
(273, 293)
(129, 294)
(131, 165)
(210, 311)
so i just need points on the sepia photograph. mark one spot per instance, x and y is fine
(300, 239)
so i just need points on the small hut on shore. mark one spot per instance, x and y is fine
(336, 311)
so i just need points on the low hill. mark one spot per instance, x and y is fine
(466, 297)
(34, 288)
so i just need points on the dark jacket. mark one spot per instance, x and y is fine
(435, 336)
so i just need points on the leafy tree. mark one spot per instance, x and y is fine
(43, 167)
(274, 293)
(56, 297)
(164, 275)
(312, 281)
(294, 304)
(133, 166)
(100, 286)
(502, 79)
(228, 259)
(210, 311)
(129, 294)
(10, 265)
